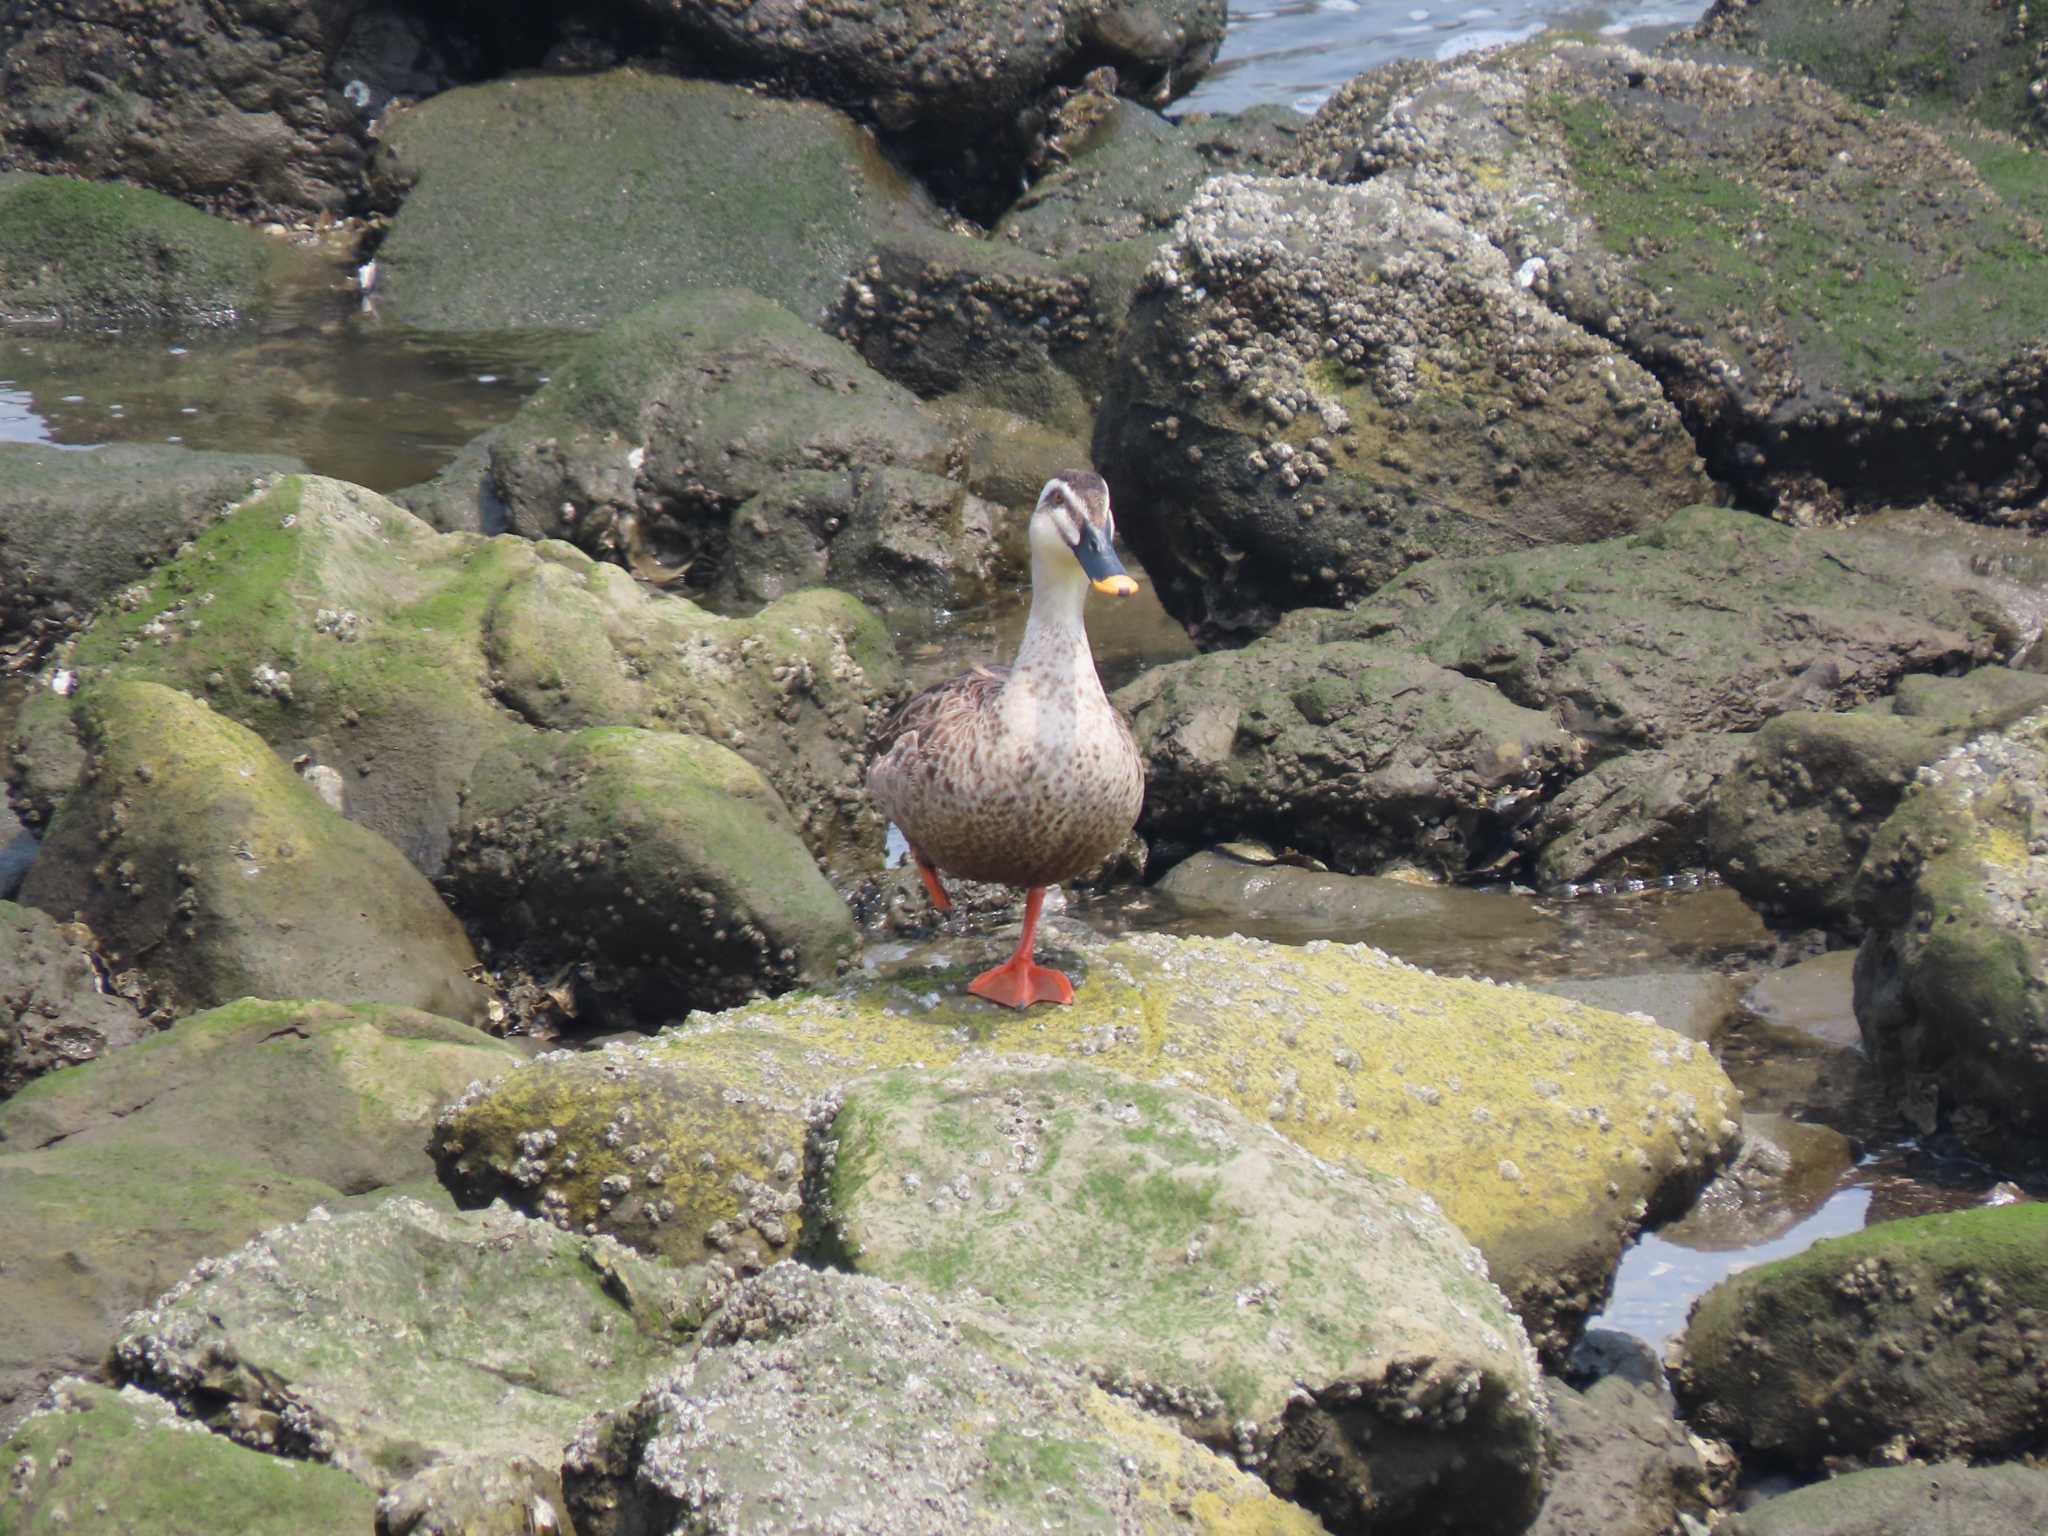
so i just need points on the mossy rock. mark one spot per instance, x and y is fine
(688, 1168)
(388, 1340)
(53, 1012)
(816, 1398)
(1923, 1332)
(562, 201)
(1547, 1131)
(666, 861)
(1321, 386)
(337, 625)
(1950, 977)
(1790, 824)
(123, 1463)
(82, 526)
(1328, 1327)
(1358, 754)
(1947, 1499)
(89, 254)
(202, 861)
(1713, 621)
(1847, 312)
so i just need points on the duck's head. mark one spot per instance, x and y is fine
(1073, 516)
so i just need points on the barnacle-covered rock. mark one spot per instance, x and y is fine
(53, 1011)
(1327, 1327)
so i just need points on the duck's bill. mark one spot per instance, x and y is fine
(1100, 562)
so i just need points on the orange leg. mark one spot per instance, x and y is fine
(930, 877)
(1017, 983)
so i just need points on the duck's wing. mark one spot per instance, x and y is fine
(945, 709)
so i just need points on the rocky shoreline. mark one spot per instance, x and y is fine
(468, 1063)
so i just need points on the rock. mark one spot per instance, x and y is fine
(1349, 382)
(1957, 58)
(340, 627)
(1713, 622)
(1330, 1329)
(666, 862)
(52, 1011)
(1695, 1004)
(1812, 998)
(690, 1167)
(1918, 1334)
(1625, 1466)
(1123, 175)
(386, 1341)
(1950, 975)
(818, 1399)
(562, 202)
(1548, 1132)
(1790, 825)
(1358, 754)
(115, 1177)
(82, 526)
(199, 859)
(1639, 816)
(1786, 1171)
(480, 1495)
(125, 1464)
(1948, 1499)
(717, 437)
(1715, 221)
(79, 253)
(1216, 890)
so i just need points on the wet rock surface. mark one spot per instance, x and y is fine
(1945, 1499)
(54, 1011)
(1919, 1335)
(125, 1463)
(1639, 816)
(561, 202)
(1546, 1148)
(1329, 1329)
(1948, 978)
(1352, 382)
(318, 1340)
(664, 863)
(1625, 1466)
(685, 1167)
(82, 526)
(196, 856)
(819, 1396)
(1715, 222)
(1355, 753)
(116, 1177)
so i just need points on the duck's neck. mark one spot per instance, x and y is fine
(1054, 656)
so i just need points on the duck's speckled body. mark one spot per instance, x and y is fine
(1026, 774)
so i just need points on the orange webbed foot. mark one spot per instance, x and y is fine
(1018, 983)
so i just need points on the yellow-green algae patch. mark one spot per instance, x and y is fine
(1547, 1130)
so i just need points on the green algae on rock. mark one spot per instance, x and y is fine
(199, 858)
(562, 201)
(687, 1167)
(1328, 1328)
(1547, 1131)
(52, 1011)
(606, 844)
(1355, 753)
(387, 1340)
(1715, 620)
(124, 1463)
(816, 1398)
(1843, 309)
(1923, 1332)
(85, 253)
(81, 526)
(1950, 978)
(1350, 381)
(1946, 1499)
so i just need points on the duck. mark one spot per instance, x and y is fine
(1024, 775)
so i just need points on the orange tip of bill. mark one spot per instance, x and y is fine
(1116, 586)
